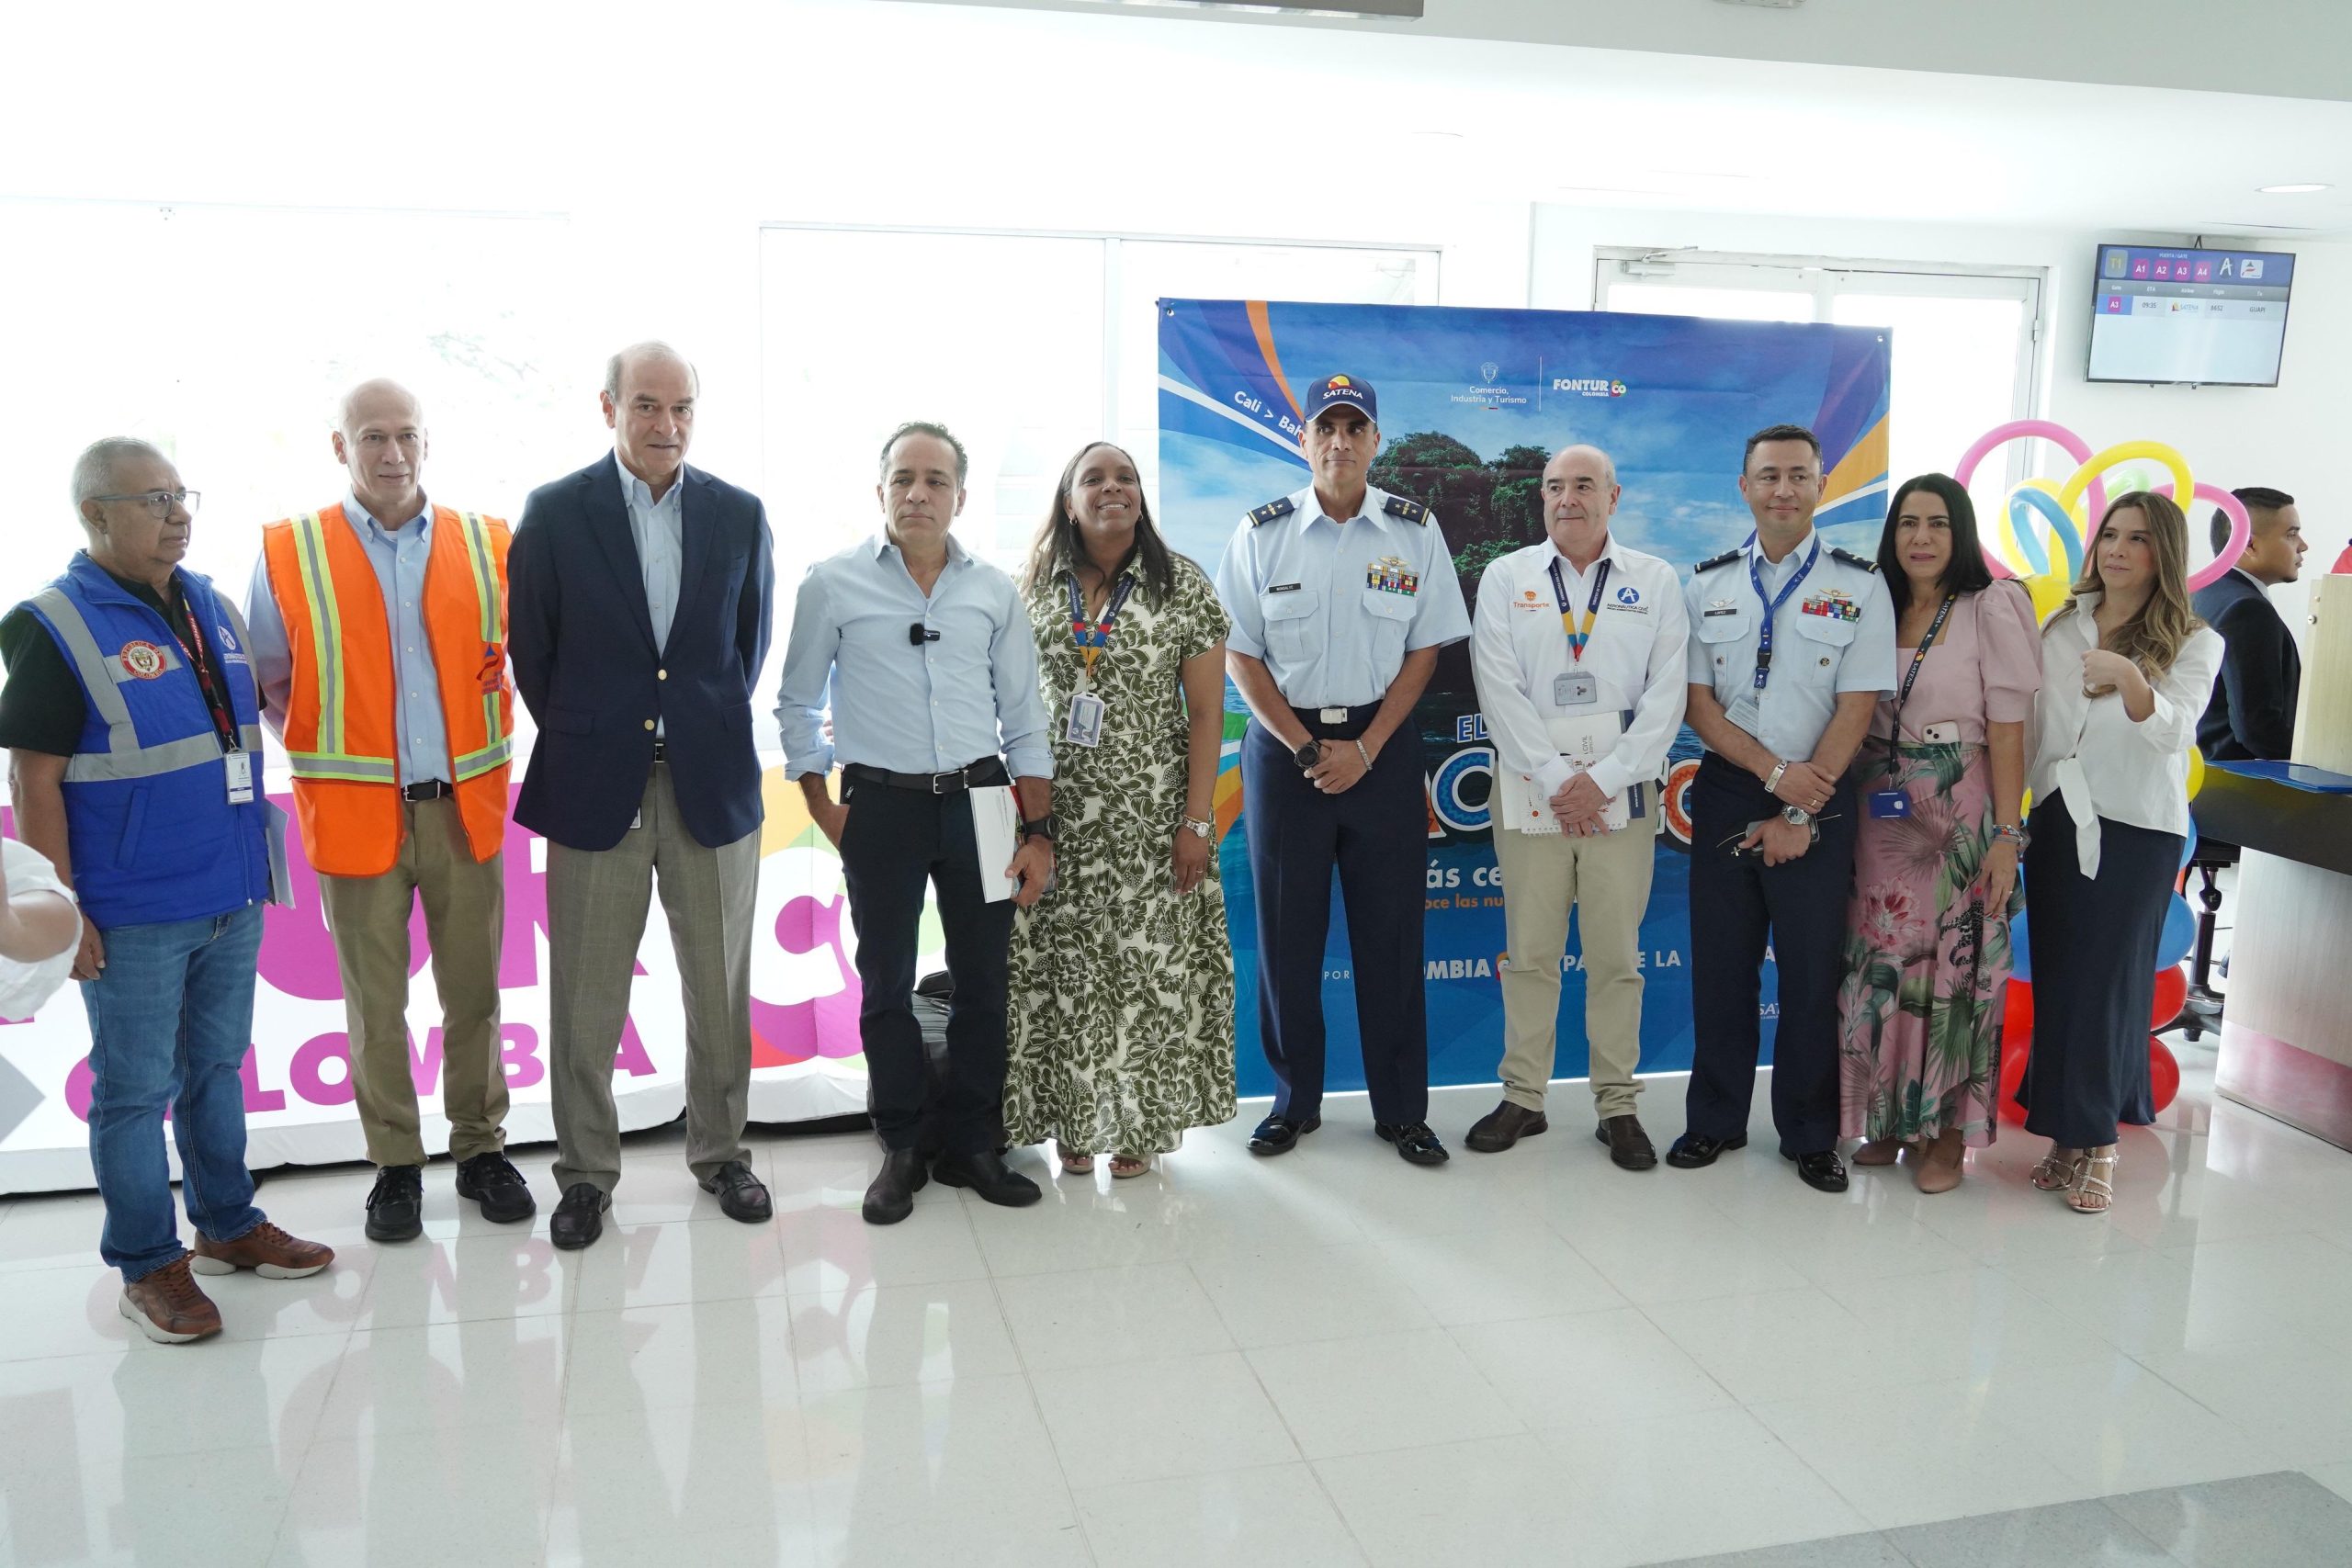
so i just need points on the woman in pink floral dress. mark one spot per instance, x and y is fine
(1940, 782)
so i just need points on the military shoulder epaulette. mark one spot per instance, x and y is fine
(1723, 559)
(1850, 559)
(1410, 511)
(1272, 509)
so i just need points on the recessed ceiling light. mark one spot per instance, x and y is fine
(2291, 189)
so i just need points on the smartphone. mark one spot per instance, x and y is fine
(1941, 734)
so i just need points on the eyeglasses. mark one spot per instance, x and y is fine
(161, 501)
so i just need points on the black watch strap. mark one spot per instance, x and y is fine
(1043, 828)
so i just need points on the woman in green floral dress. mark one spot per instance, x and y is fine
(1121, 981)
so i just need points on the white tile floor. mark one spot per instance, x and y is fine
(1330, 1357)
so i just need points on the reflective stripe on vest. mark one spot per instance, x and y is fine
(124, 758)
(501, 748)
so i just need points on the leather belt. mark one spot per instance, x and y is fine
(972, 776)
(432, 789)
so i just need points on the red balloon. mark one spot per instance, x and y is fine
(2164, 1073)
(2016, 1048)
(2016, 1010)
(2172, 993)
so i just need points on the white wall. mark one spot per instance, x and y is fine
(2284, 437)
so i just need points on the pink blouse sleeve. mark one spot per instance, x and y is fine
(2008, 641)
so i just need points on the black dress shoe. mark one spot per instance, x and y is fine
(1823, 1171)
(1280, 1134)
(1415, 1144)
(580, 1218)
(892, 1198)
(1692, 1150)
(492, 1180)
(1629, 1147)
(741, 1195)
(1504, 1126)
(396, 1205)
(987, 1175)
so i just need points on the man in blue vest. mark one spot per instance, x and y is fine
(134, 743)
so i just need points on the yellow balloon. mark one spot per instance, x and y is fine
(2048, 590)
(2196, 772)
(2183, 484)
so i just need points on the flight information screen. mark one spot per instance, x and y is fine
(2218, 318)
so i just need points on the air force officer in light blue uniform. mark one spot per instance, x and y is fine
(1341, 596)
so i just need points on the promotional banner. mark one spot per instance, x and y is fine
(806, 1060)
(1472, 405)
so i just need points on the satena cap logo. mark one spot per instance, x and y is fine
(1344, 391)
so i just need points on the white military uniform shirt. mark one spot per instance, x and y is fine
(1835, 634)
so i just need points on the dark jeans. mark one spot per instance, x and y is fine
(171, 1020)
(899, 842)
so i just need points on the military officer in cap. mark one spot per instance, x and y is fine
(1792, 642)
(1341, 596)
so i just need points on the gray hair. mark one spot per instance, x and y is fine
(925, 428)
(649, 349)
(93, 470)
(1608, 463)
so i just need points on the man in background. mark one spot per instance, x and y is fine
(2252, 715)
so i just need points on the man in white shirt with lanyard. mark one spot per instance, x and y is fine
(1578, 646)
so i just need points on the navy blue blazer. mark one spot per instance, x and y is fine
(582, 643)
(2253, 711)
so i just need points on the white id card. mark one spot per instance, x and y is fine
(1576, 689)
(1085, 728)
(241, 776)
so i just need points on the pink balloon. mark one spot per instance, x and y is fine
(2240, 529)
(2058, 435)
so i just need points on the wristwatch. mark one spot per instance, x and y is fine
(1309, 754)
(1205, 830)
(1796, 816)
(1043, 828)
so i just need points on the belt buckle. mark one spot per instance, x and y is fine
(956, 773)
(1332, 716)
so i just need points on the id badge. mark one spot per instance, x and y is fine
(241, 776)
(1576, 689)
(1085, 728)
(1888, 804)
(1746, 713)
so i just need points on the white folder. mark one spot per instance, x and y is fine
(996, 829)
(1582, 740)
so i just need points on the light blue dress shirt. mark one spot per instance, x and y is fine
(928, 708)
(1835, 634)
(659, 529)
(1332, 607)
(398, 554)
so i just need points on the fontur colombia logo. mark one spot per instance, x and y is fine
(1590, 386)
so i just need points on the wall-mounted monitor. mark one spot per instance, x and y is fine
(2209, 317)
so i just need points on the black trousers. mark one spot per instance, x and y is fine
(1738, 905)
(2095, 941)
(897, 843)
(1377, 836)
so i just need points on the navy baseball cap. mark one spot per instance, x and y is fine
(1349, 392)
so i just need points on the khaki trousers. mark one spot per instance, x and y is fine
(465, 923)
(1607, 881)
(597, 901)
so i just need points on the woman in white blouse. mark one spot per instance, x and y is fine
(2126, 669)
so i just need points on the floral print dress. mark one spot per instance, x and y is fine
(1120, 1006)
(1927, 965)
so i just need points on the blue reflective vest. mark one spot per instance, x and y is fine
(148, 820)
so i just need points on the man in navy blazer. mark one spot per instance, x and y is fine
(2251, 713)
(640, 593)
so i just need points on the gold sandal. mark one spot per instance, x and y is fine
(1076, 1164)
(1124, 1167)
(2057, 1172)
(2094, 1193)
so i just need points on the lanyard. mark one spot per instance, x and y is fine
(1919, 657)
(1091, 641)
(1576, 639)
(1773, 605)
(215, 702)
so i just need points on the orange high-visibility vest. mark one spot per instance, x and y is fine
(340, 736)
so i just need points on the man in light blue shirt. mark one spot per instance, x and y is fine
(924, 656)
(1341, 596)
(658, 525)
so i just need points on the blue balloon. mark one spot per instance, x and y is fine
(2188, 849)
(2180, 933)
(2020, 949)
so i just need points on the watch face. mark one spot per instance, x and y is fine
(1310, 753)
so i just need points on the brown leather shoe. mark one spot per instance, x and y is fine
(166, 1305)
(1629, 1146)
(266, 1250)
(1504, 1126)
